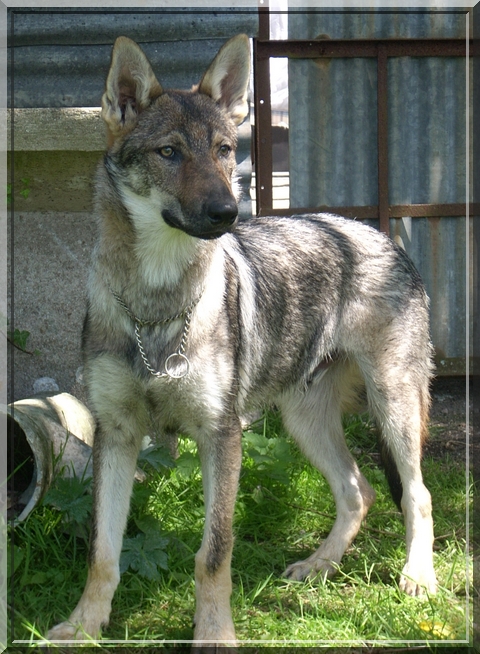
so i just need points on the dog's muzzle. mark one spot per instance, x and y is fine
(216, 219)
(222, 214)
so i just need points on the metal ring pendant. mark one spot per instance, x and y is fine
(177, 366)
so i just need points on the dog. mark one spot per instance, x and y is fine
(195, 318)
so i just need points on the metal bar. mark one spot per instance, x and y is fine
(362, 213)
(382, 139)
(314, 49)
(263, 118)
(458, 210)
(263, 21)
(306, 49)
(372, 212)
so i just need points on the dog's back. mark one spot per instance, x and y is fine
(323, 289)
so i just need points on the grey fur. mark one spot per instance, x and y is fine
(303, 312)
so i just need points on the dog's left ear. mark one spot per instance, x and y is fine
(226, 80)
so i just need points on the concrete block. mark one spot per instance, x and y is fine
(74, 128)
(55, 180)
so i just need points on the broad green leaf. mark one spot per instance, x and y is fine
(69, 495)
(157, 456)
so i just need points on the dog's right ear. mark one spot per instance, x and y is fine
(131, 87)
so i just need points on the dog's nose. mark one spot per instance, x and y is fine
(222, 213)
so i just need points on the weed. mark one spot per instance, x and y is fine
(18, 338)
(24, 190)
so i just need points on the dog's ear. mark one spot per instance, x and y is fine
(131, 87)
(226, 80)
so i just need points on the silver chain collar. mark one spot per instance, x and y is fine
(177, 364)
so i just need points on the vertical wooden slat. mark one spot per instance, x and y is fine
(382, 136)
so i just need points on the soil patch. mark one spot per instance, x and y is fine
(448, 420)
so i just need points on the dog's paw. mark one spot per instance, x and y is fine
(79, 627)
(209, 636)
(209, 646)
(416, 581)
(85, 622)
(70, 631)
(311, 568)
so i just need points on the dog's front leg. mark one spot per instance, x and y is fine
(221, 456)
(114, 463)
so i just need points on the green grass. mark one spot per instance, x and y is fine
(284, 509)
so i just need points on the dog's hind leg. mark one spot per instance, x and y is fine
(399, 400)
(314, 419)
(121, 425)
(221, 457)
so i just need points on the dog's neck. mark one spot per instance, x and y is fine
(163, 253)
(159, 265)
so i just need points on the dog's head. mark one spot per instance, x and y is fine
(173, 152)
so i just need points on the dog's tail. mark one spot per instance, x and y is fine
(391, 472)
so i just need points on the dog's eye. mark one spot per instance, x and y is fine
(166, 152)
(224, 150)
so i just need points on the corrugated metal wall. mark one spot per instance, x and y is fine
(333, 146)
(60, 58)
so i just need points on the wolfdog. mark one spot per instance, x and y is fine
(195, 318)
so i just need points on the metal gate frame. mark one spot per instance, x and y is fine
(380, 49)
